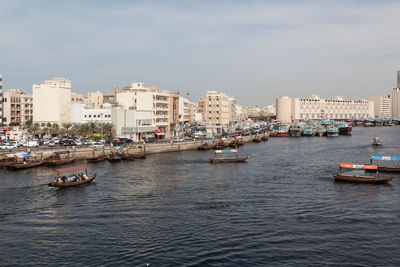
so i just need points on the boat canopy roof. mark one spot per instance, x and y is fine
(226, 151)
(357, 166)
(384, 158)
(73, 169)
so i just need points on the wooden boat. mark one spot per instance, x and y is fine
(233, 144)
(56, 159)
(360, 178)
(257, 139)
(80, 172)
(96, 159)
(140, 156)
(127, 157)
(25, 165)
(206, 145)
(220, 145)
(114, 158)
(386, 168)
(228, 156)
(265, 137)
(377, 141)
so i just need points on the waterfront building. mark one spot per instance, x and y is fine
(132, 123)
(217, 111)
(77, 98)
(382, 106)
(95, 99)
(315, 108)
(186, 110)
(148, 98)
(52, 101)
(84, 113)
(1, 100)
(17, 108)
(395, 103)
(200, 106)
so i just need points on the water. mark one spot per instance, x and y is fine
(282, 208)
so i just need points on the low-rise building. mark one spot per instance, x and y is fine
(95, 99)
(81, 113)
(315, 108)
(132, 123)
(17, 108)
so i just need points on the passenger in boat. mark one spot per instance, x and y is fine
(84, 177)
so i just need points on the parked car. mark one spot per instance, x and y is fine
(31, 144)
(149, 140)
(51, 143)
(178, 139)
(97, 145)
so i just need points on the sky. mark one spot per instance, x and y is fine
(252, 50)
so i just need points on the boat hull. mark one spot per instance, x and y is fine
(345, 131)
(360, 179)
(56, 162)
(21, 166)
(63, 185)
(234, 160)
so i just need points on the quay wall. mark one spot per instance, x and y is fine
(80, 153)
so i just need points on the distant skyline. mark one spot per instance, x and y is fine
(252, 50)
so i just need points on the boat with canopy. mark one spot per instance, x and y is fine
(72, 176)
(227, 156)
(386, 168)
(377, 141)
(351, 178)
(27, 162)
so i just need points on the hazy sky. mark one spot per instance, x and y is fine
(255, 51)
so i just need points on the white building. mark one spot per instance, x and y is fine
(382, 106)
(80, 113)
(395, 102)
(141, 98)
(132, 123)
(52, 101)
(217, 111)
(315, 108)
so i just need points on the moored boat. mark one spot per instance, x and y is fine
(56, 159)
(206, 145)
(113, 158)
(345, 129)
(309, 131)
(295, 130)
(227, 156)
(283, 131)
(332, 130)
(386, 168)
(26, 163)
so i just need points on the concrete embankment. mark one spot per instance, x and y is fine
(80, 153)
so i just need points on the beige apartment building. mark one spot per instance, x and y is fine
(382, 106)
(217, 110)
(52, 101)
(148, 98)
(77, 98)
(95, 99)
(18, 108)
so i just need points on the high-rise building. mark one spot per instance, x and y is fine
(395, 99)
(382, 106)
(52, 101)
(398, 79)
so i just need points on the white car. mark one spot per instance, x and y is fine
(7, 146)
(178, 139)
(31, 144)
